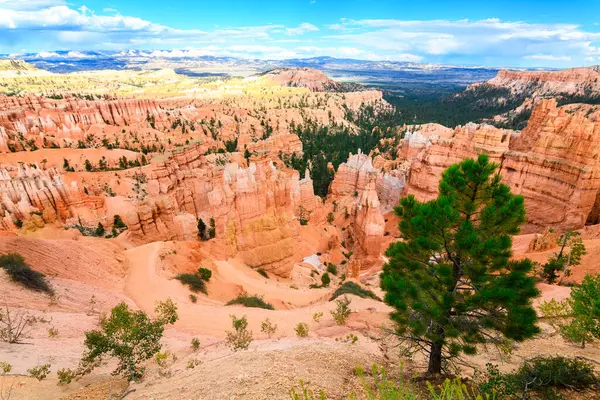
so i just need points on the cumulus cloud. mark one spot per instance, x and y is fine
(490, 38)
(50, 25)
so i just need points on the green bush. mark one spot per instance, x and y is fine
(355, 289)
(118, 222)
(65, 376)
(204, 273)
(39, 372)
(130, 336)
(240, 338)
(325, 279)
(250, 301)
(196, 283)
(332, 269)
(21, 273)
(342, 311)
(541, 375)
(262, 272)
(301, 330)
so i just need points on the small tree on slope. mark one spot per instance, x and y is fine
(585, 312)
(450, 281)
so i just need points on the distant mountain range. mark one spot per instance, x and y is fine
(386, 75)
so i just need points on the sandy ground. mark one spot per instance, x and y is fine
(111, 271)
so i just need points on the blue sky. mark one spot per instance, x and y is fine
(495, 33)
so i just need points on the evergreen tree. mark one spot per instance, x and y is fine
(585, 312)
(99, 229)
(212, 231)
(201, 229)
(451, 281)
(561, 261)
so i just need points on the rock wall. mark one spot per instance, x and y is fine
(69, 117)
(253, 208)
(39, 195)
(552, 163)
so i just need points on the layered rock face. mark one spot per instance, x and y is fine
(253, 208)
(577, 81)
(358, 174)
(553, 164)
(68, 118)
(39, 196)
(359, 181)
(468, 141)
(309, 78)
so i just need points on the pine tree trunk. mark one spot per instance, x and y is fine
(435, 359)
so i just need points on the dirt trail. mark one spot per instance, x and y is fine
(145, 285)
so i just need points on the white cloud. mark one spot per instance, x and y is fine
(549, 57)
(49, 25)
(491, 38)
(301, 29)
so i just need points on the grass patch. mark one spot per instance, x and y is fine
(250, 301)
(195, 282)
(353, 288)
(20, 272)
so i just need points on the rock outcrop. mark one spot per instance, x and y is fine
(253, 208)
(552, 163)
(574, 81)
(39, 195)
(69, 118)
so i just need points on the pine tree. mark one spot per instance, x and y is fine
(201, 229)
(565, 258)
(585, 312)
(451, 281)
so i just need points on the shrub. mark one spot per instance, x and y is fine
(325, 279)
(262, 272)
(317, 316)
(18, 223)
(330, 217)
(212, 230)
(355, 289)
(14, 324)
(240, 338)
(195, 344)
(130, 336)
(162, 358)
(193, 363)
(52, 332)
(268, 328)
(166, 312)
(193, 298)
(39, 372)
(65, 376)
(301, 330)
(332, 269)
(196, 283)
(342, 311)
(204, 273)
(21, 273)
(99, 230)
(541, 375)
(5, 367)
(250, 301)
(118, 222)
